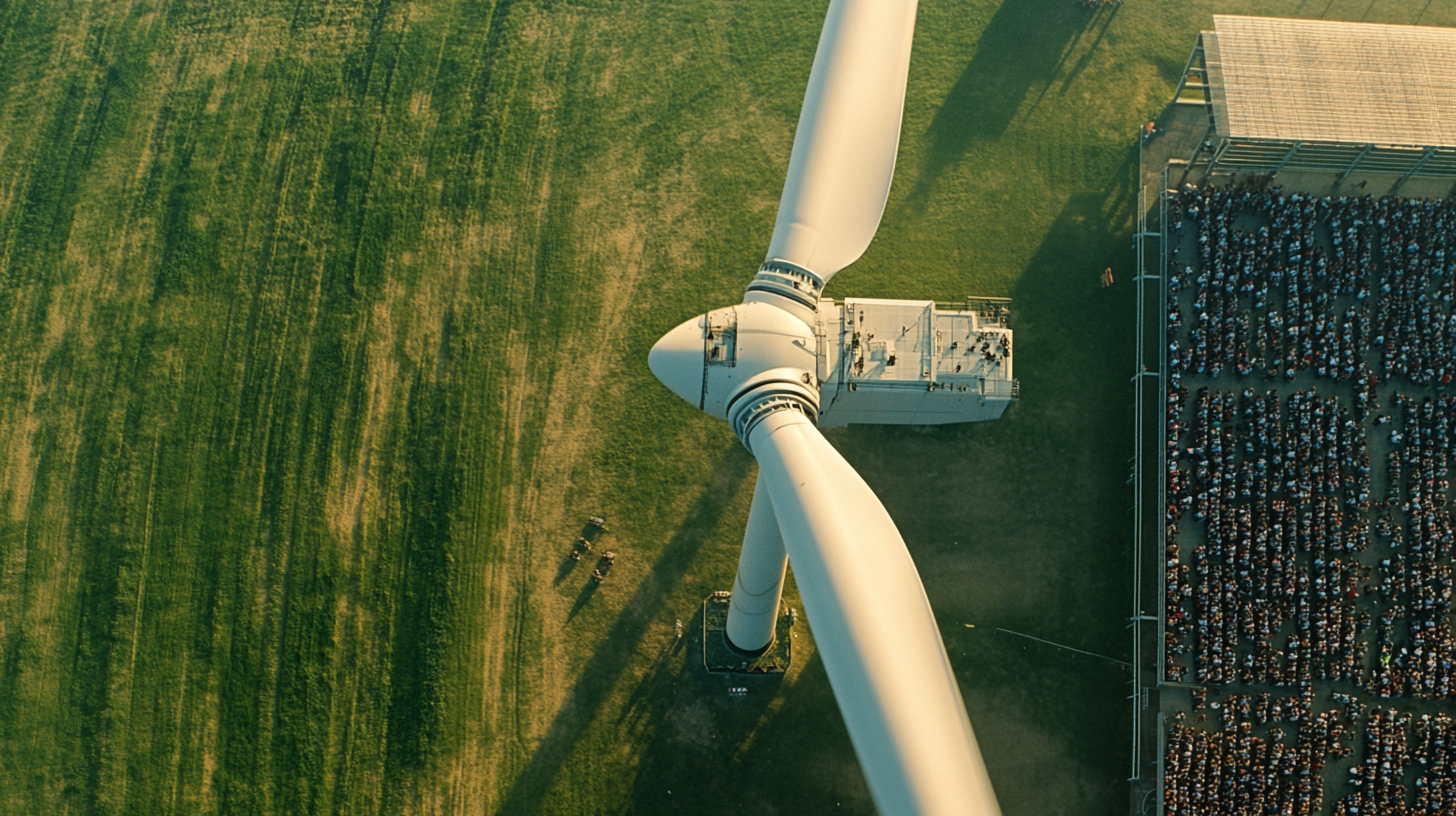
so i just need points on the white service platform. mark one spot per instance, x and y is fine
(910, 362)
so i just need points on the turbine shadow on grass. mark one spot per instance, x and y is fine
(619, 646)
(780, 748)
(654, 684)
(1023, 44)
(1076, 343)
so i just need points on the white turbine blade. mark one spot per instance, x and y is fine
(754, 609)
(873, 627)
(844, 150)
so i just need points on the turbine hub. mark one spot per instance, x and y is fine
(715, 360)
(678, 360)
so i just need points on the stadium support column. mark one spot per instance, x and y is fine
(1365, 151)
(760, 582)
(1430, 151)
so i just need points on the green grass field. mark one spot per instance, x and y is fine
(323, 327)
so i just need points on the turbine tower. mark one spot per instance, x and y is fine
(785, 361)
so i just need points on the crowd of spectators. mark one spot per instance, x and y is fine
(1435, 788)
(1233, 770)
(1291, 558)
(1379, 780)
(1402, 315)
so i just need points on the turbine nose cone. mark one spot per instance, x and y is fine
(677, 360)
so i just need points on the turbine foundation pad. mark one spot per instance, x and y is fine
(719, 656)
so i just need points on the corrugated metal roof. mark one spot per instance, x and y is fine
(1314, 80)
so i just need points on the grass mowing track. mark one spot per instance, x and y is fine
(323, 326)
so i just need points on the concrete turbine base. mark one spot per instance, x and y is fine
(719, 654)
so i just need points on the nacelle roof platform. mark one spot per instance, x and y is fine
(912, 362)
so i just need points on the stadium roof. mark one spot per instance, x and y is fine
(1312, 80)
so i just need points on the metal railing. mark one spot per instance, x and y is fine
(1273, 155)
(1001, 388)
(1164, 251)
(1141, 693)
(993, 310)
(1137, 485)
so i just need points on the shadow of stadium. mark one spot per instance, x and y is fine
(1021, 523)
(1055, 726)
(1102, 23)
(1025, 43)
(1060, 310)
(619, 645)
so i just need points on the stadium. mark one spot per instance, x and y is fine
(1295, 477)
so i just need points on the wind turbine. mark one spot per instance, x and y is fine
(767, 364)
